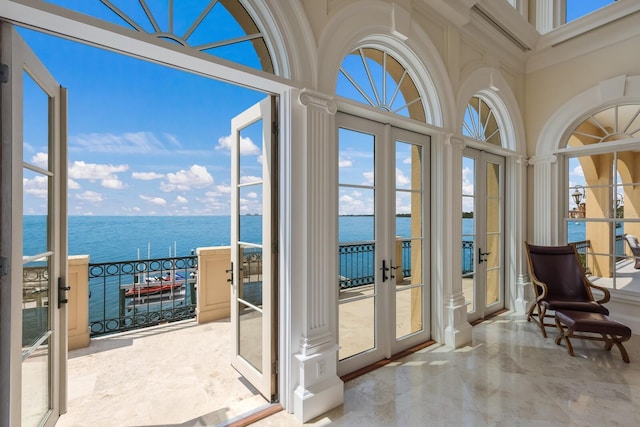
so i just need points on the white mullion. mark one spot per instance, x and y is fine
(369, 76)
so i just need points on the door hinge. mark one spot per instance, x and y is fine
(4, 73)
(274, 367)
(4, 266)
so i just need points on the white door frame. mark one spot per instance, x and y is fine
(20, 59)
(384, 291)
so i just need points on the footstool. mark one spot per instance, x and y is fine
(611, 332)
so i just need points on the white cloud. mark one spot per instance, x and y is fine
(155, 200)
(90, 196)
(249, 179)
(126, 143)
(401, 178)
(252, 195)
(223, 188)
(353, 203)
(113, 183)
(247, 146)
(146, 176)
(577, 171)
(41, 160)
(37, 186)
(181, 199)
(81, 170)
(343, 163)
(94, 171)
(184, 180)
(407, 161)
(368, 176)
(467, 182)
(72, 185)
(173, 140)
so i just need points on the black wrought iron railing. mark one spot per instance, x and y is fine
(357, 262)
(129, 295)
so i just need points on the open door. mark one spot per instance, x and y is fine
(33, 236)
(254, 236)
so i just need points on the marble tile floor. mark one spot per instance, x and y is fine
(177, 374)
(509, 376)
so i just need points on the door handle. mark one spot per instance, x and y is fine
(62, 292)
(384, 269)
(393, 269)
(482, 256)
(230, 271)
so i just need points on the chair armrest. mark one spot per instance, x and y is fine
(540, 285)
(606, 294)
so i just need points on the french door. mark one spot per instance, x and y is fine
(254, 236)
(482, 233)
(33, 239)
(383, 303)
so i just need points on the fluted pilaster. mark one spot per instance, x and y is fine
(545, 192)
(319, 387)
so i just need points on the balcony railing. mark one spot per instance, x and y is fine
(357, 262)
(136, 294)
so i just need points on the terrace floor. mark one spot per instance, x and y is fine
(510, 375)
(174, 374)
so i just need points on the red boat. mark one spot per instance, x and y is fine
(154, 286)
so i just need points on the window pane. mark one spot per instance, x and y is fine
(35, 112)
(35, 385)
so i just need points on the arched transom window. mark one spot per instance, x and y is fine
(611, 124)
(481, 123)
(222, 28)
(376, 78)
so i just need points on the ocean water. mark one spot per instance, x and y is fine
(127, 238)
(123, 238)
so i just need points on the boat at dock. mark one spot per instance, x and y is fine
(155, 285)
(161, 300)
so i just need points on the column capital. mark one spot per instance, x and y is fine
(547, 158)
(454, 141)
(311, 98)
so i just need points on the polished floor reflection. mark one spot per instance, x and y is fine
(509, 376)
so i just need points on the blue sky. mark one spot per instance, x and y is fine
(143, 139)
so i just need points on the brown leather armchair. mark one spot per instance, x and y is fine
(560, 283)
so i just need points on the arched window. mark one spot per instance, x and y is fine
(376, 78)
(603, 193)
(611, 124)
(481, 123)
(222, 28)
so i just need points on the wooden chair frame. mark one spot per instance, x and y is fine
(538, 312)
(609, 340)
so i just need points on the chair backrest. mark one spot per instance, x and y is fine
(633, 242)
(559, 268)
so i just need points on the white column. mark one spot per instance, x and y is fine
(545, 203)
(447, 236)
(549, 14)
(523, 293)
(319, 388)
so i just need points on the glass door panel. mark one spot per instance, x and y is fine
(409, 200)
(253, 229)
(383, 295)
(469, 218)
(34, 119)
(356, 231)
(482, 233)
